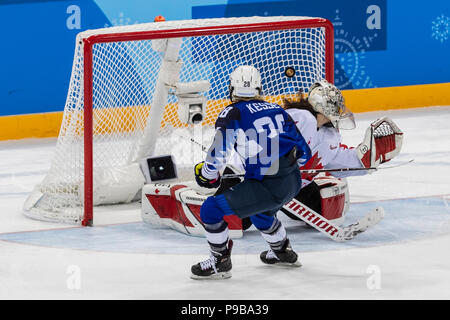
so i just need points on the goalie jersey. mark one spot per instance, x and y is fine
(259, 132)
(327, 150)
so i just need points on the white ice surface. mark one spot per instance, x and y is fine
(122, 258)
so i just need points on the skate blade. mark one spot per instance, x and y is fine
(295, 264)
(216, 276)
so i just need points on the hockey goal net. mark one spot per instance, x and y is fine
(121, 105)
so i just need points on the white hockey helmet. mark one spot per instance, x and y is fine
(245, 82)
(326, 99)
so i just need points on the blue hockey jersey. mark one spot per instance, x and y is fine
(260, 132)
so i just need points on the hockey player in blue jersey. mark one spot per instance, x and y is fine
(270, 146)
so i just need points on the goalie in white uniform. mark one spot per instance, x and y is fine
(319, 117)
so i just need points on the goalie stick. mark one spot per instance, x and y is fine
(355, 169)
(333, 231)
(239, 175)
(231, 176)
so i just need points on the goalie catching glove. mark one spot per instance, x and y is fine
(382, 142)
(202, 181)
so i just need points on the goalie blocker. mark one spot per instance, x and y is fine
(177, 206)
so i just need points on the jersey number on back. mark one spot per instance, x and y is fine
(274, 129)
(224, 112)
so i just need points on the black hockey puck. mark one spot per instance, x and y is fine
(289, 72)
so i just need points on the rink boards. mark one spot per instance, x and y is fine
(42, 125)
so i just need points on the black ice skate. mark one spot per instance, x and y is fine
(218, 266)
(284, 257)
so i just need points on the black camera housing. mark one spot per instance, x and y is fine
(161, 168)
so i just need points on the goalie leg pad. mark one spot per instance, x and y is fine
(309, 195)
(328, 196)
(333, 206)
(334, 198)
(178, 207)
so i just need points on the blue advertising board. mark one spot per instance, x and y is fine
(378, 43)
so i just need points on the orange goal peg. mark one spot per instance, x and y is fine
(159, 19)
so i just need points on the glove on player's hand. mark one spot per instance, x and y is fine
(202, 181)
(382, 142)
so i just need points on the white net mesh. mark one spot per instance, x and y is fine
(125, 76)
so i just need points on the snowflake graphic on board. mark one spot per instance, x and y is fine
(441, 28)
(350, 54)
(120, 21)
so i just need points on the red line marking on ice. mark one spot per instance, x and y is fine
(66, 228)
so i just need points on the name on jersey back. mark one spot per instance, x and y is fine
(260, 106)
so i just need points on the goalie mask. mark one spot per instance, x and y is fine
(326, 99)
(245, 82)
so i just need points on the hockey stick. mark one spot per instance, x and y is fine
(237, 175)
(355, 169)
(204, 149)
(328, 228)
(231, 176)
